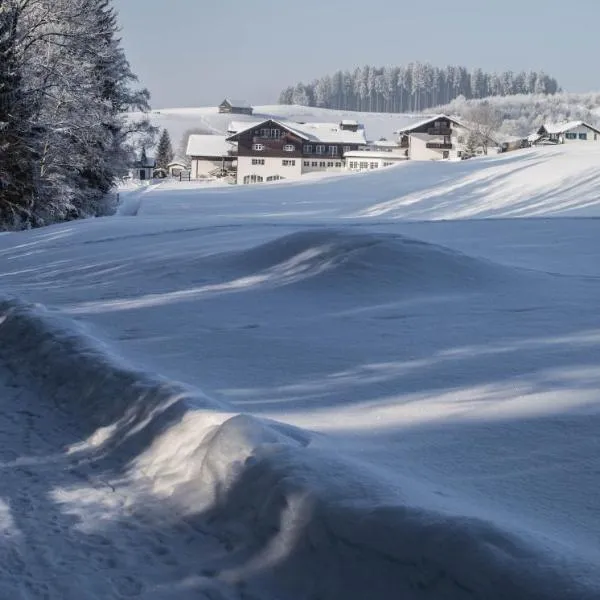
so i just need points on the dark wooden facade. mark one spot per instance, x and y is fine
(274, 138)
(226, 107)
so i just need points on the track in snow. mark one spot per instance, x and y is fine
(73, 529)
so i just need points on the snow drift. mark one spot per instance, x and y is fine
(304, 520)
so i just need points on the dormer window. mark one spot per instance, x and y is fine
(321, 149)
(308, 148)
(258, 147)
(289, 148)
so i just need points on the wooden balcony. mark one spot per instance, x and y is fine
(439, 131)
(436, 146)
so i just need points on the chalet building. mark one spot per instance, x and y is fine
(235, 107)
(566, 133)
(210, 156)
(437, 138)
(274, 150)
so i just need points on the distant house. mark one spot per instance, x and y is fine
(566, 133)
(274, 150)
(438, 137)
(210, 155)
(236, 107)
(178, 166)
(143, 168)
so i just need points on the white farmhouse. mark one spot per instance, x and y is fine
(273, 150)
(566, 133)
(436, 138)
(376, 155)
(209, 155)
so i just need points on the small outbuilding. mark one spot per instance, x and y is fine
(235, 107)
(143, 168)
(210, 155)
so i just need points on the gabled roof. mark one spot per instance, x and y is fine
(236, 103)
(428, 120)
(237, 126)
(558, 128)
(326, 133)
(208, 146)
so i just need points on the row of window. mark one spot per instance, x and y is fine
(353, 164)
(308, 149)
(260, 179)
(260, 147)
(574, 136)
(322, 163)
(285, 163)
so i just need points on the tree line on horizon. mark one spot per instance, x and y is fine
(65, 89)
(412, 88)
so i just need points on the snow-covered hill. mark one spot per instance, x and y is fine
(294, 391)
(178, 121)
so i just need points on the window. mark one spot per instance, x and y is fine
(288, 163)
(258, 161)
(363, 165)
(275, 133)
(353, 164)
(388, 164)
(289, 148)
(374, 165)
(333, 150)
(307, 163)
(322, 164)
(583, 136)
(253, 179)
(258, 147)
(274, 178)
(330, 164)
(571, 136)
(315, 163)
(264, 133)
(308, 148)
(347, 148)
(338, 164)
(461, 139)
(321, 149)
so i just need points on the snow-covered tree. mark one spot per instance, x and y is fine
(65, 85)
(485, 122)
(164, 151)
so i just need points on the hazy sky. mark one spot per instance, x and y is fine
(196, 52)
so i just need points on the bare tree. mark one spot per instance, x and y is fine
(484, 121)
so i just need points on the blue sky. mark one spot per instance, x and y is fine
(196, 52)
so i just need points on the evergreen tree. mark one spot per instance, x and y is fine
(164, 153)
(65, 87)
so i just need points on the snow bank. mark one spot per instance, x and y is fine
(303, 519)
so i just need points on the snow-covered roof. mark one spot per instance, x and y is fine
(236, 126)
(557, 128)
(349, 122)
(384, 144)
(326, 133)
(237, 103)
(208, 145)
(430, 119)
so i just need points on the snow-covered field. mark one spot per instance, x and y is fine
(372, 385)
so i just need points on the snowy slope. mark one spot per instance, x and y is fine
(369, 406)
(517, 184)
